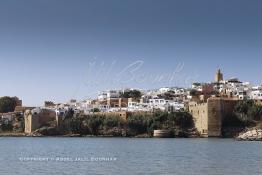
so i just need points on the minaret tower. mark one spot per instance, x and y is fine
(219, 76)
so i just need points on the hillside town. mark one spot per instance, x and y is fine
(165, 98)
(208, 103)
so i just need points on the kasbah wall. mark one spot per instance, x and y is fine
(35, 121)
(208, 116)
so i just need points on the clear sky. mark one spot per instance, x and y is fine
(60, 49)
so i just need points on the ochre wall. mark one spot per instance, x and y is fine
(208, 116)
(200, 117)
(34, 121)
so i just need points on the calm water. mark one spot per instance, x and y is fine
(75, 156)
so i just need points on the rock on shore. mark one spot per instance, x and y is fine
(252, 135)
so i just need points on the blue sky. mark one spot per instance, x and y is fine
(58, 50)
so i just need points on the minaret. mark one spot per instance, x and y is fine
(219, 76)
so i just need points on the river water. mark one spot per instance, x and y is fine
(128, 156)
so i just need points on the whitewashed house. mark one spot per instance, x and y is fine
(163, 90)
(60, 112)
(102, 96)
(256, 95)
(7, 118)
(103, 108)
(157, 102)
(134, 106)
(110, 94)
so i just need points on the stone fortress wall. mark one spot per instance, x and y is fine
(208, 116)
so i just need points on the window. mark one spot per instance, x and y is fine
(214, 110)
(204, 131)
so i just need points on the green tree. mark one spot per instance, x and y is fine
(7, 104)
(131, 94)
(95, 110)
(184, 119)
(247, 110)
(112, 121)
(94, 124)
(138, 124)
(255, 112)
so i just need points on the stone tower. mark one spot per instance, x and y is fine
(219, 76)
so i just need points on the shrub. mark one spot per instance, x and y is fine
(94, 123)
(247, 110)
(131, 94)
(112, 121)
(234, 121)
(135, 125)
(138, 124)
(184, 120)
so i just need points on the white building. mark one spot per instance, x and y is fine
(197, 86)
(103, 108)
(61, 112)
(236, 88)
(163, 90)
(134, 106)
(113, 94)
(102, 96)
(177, 106)
(7, 118)
(163, 104)
(84, 106)
(157, 102)
(256, 93)
(180, 91)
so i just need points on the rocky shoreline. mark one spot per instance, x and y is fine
(78, 135)
(251, 135)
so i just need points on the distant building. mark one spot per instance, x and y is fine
(157, 102)
(8, 118)
(166, 105)
(102, 96)
(219, 76)
(112, 94)
(256, 95)
(164, 90)
(22, 109)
